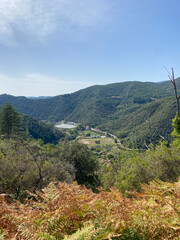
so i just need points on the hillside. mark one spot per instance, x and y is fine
(127, 109)
(41, 130)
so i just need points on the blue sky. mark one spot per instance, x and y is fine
(52, 47)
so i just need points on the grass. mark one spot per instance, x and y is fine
(92, 141)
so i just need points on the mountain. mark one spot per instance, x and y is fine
(135, 111)
(40, 97)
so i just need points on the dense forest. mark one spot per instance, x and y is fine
(41, 130)
(137, 112)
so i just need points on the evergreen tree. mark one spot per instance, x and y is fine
(10, 122)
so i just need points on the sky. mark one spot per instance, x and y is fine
(53, 47)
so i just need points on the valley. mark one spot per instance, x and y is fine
(89, 120)
(90, 172)
(137, 113)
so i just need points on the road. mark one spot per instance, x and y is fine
(113, 136)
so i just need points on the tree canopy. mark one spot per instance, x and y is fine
(10, 121)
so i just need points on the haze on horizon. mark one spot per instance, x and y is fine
(60, 46)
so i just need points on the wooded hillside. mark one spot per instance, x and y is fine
(128, 109)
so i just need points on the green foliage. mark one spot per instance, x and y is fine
(10, 122)
(45, 236)
(176, 127)
(131, 234)
(41, 130)
(107, 176)
(129, 169)
(120, 108)
(2, 236)
(29, 165)
(80, 127)
(13, 123)
(83, 234)
(64, 211)
(72, 135)
(83, 161)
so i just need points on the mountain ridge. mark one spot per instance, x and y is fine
(108, 107)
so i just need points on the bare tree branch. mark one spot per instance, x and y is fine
(171, 77)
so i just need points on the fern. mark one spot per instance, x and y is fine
(83, 234)
(45, 236)
(74, 212)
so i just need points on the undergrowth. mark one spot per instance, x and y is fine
(73, 212)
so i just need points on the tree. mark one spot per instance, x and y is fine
(30, 165)
(10, 121)
(83, 161)
(176, 120)
(171, 77)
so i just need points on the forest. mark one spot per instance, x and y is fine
(127, 109)
(52, 186)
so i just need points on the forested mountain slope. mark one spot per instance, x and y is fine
(40, 130)
(127, 109)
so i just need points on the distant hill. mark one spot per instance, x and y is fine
(135, 111)
(40, 97)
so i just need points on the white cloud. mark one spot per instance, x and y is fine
(39, 18)
(34, 84)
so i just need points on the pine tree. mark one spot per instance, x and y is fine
(10, 121)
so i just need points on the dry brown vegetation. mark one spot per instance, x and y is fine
(92, 141)
(70, 211)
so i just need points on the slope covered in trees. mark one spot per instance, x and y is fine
(13, 123)
(70, 211)
(127, 109)
(41, 130)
